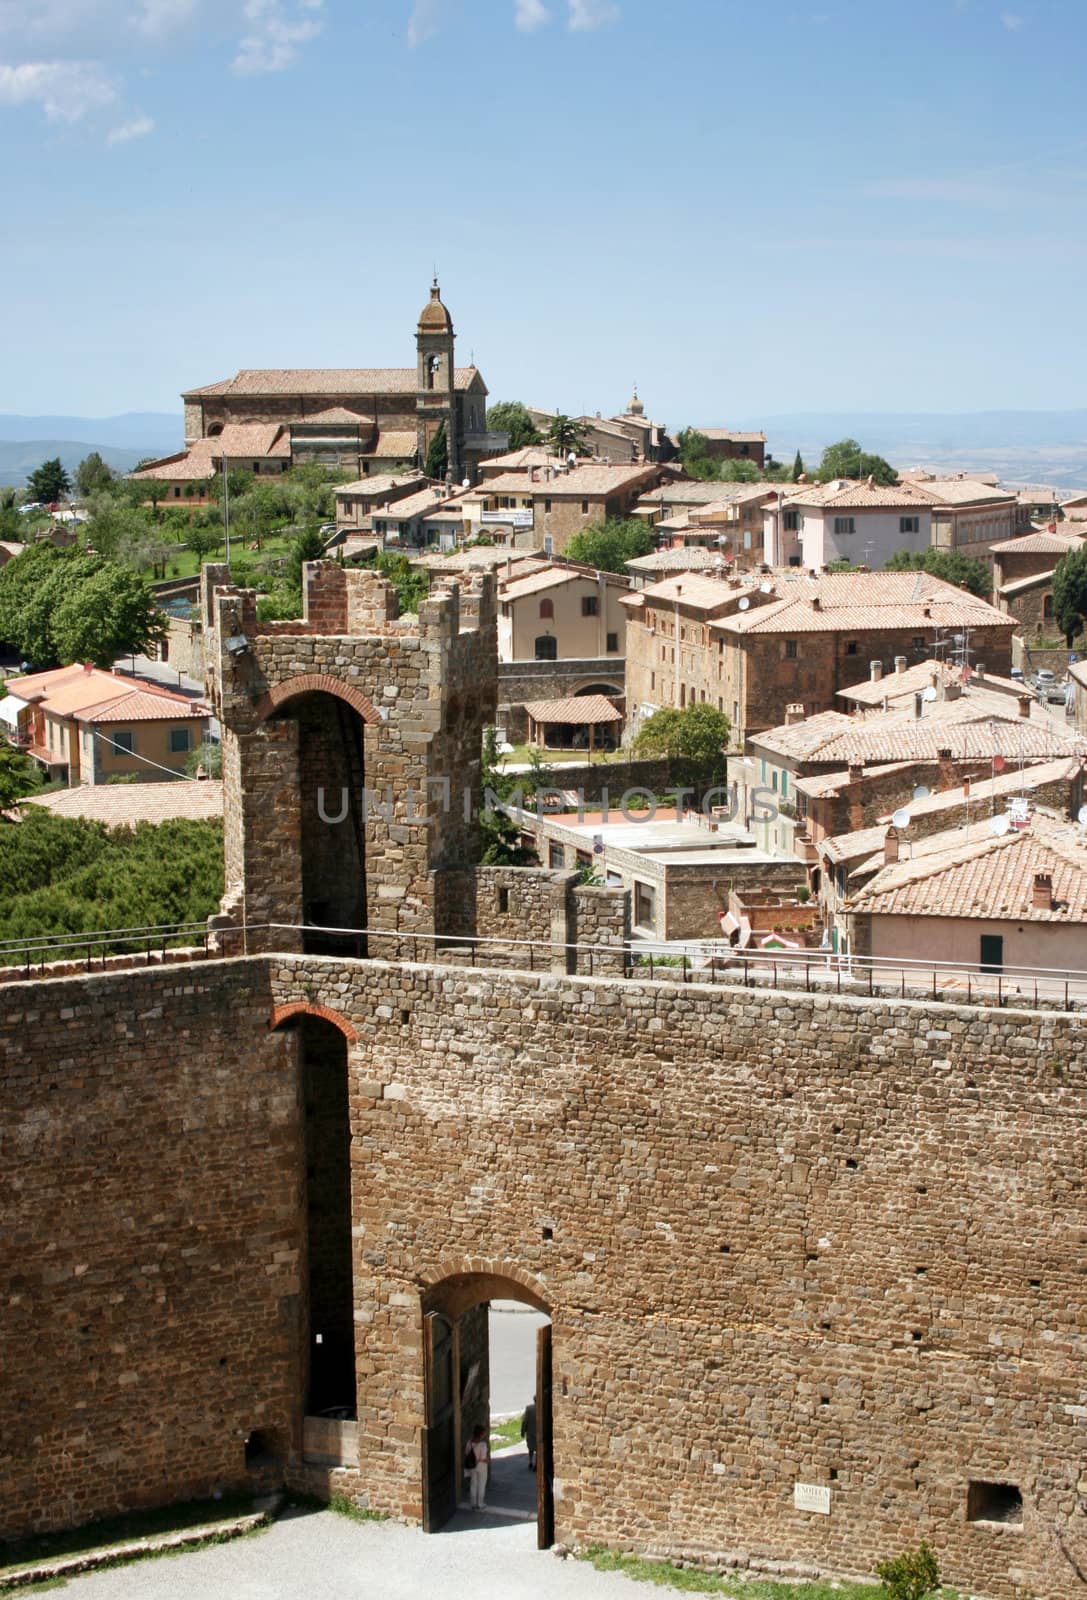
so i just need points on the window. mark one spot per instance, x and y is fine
(909, 524)
(645, 906)
(994, 1502)
(503, 901)
(123, 740)
(853, 647)
(919, 642)
(582, 858)
(791, 651)
(792, 521)
(547, 505)
(747, 539)
(590, 605)
(613, 644)
(547, 608)
(256, 466)
(584, 508)
(177, 492)
(180, 741)
(652, 681)
(845, 525)
(547, 647)
(1047, 607)
(556, 857)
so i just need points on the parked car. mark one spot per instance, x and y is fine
(1017, 674)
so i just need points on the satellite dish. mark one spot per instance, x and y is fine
(765, 588)
(901, 817)
(744, 603)
(466, 483)
(922, 792)
(929, 694)
(1000, 825)
(1081, 816)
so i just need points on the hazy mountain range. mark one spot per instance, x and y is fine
(25, 442)
(1023, 447)
(1047, 447)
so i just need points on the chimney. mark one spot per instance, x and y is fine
(794, 713)
(815, 605)
(890, 846)
(856, 772)
(918, 705)
(1024, 705)
(875, 671)
(927, 612)
(1043, 891)
(979, 672)
(1051, 527)
(870, 482)
(900, 663)
(88, 666)
(946, 769)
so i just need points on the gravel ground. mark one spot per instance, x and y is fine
(323, 1556)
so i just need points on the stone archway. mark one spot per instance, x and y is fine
(457, 1384)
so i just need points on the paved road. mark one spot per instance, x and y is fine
(322, 1556)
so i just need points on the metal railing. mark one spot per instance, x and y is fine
(715, 965)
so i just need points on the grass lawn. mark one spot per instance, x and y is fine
(666, 1575)
(524, 752)
(505, 1433)
(120, 1530)
(183, 563)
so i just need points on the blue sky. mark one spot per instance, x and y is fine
(748, 208)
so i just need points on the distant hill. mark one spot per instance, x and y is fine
(1047, 447)
(18, 460)
(25, 442)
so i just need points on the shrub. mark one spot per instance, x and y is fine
(910, 1576)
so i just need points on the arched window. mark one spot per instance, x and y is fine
(1047, 608)
(547, 647)
(547, 608)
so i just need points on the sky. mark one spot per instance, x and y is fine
(744, 208)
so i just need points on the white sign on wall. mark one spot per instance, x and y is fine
(812, 1497)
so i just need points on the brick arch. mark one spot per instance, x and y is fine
(308, 1008)
(315, 683)
(454, 1286)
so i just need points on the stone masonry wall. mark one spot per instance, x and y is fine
(782, 1238)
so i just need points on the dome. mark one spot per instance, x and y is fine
(634, 405)
(434, 318)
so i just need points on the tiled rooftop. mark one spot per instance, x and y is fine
(124, 804)
(350, 382)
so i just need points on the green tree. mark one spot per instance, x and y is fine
(1069, 593)
(206, 758)
(911, 1576)
(499, 837)
(798, 467)
(511, 417)
(112, 613)
(846, 459)
(963, 571)
(694, 455)
(18, 777)
(309, 546)
(566, 436)
(11, 521)
(608, 546)
(437, 456)
(92, 474)
(697, 735)
(49, 482)
(204, 539)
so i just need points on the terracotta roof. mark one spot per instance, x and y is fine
(394, 445)
(594, 478)
(1041, 542)
(251, 439)
(479, 558)
(692, 558)
(73, 691)
(529, 455)
(412, 505)
(580, 708)
(895, 685)
(966, 492)
(378, 485)
(991, 878)
(1035, 580)
(867, 842)
(348, 415)
(553, 577)
(840, 494)
(142, 705)
(737, 436)
(346, 381)
(121, 805)
(185, 466)
(697, 493)
(821, 784)
(701, 591)
(873, 602)
(899, 736)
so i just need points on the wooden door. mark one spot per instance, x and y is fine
(439, 1463)
(545, 1456)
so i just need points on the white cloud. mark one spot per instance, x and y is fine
(424, 22)
(65, 90)
(136, 128)
(587, 14)
(157, 18)
(1012, 20)
(530, 15)
(274, 35)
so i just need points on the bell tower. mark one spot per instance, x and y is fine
(437, 400)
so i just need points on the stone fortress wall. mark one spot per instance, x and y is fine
(782, 1240)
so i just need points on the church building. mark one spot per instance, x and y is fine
(360, 419)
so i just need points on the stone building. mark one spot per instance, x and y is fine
(812, 1263)
(1023, 571)
(363, 419)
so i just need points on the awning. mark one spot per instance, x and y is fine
(10, 707)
